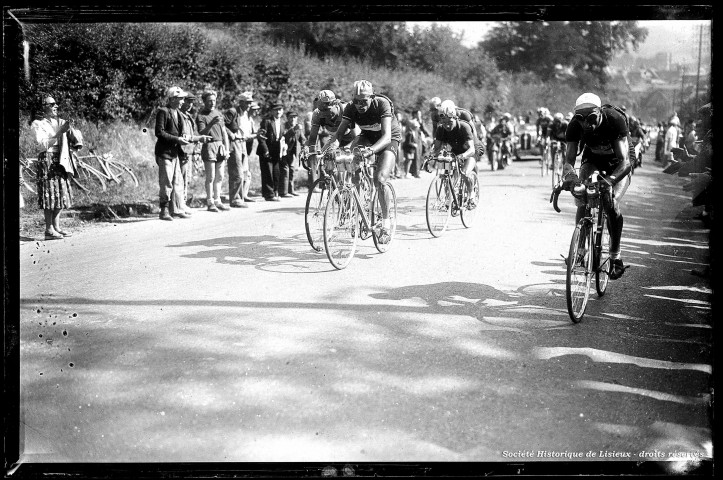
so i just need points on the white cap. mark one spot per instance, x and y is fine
(326, 96)
(362, 87)
(587, 100)
(448, 108)
(435, 102)
(175, 92)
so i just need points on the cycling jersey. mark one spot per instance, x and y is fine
(501, 129)
(557, 130)
(457, 137)
(330, 120)
(599, 142)
(370, 121)
(543, 125)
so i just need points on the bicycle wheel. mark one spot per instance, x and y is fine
(579, 271)
(603, 262)
(470, 201)
(439, 206)
(390, 196)
(341, 228)
(314, 212)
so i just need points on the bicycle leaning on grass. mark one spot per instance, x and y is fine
(356, 211)
(589, 253)
(449, 194)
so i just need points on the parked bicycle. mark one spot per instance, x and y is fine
(590, 245)
(449, 195)
(353, 212)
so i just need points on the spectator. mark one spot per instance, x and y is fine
(53, 182)
(238, 154)
(294, 138)
(254, 110)
(670, 140)
(691, 137)
(660, 142)
(410, 146)
(399, 170)
(192, 151)
(434, 104)
(274, 178)
(168, 151)
(215, 152)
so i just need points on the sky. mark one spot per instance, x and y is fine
(678, 36)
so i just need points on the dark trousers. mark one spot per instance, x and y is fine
(284, 174)
(270, 173)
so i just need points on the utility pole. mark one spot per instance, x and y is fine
(682, 78)
(697, 77)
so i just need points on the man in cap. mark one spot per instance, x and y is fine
(380, 133)
(270, 136)
(604, 132)
(326, 119)
(192, 151)
(238, 171)
(294, 138)
(168, 150)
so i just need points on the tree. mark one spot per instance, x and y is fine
(587, 47)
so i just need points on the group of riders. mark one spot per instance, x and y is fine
(600, 133)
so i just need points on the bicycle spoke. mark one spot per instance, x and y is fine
(316, 201)
(579, 271)
(439, 205)
(341, 228)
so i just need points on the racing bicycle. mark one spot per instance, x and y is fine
(449, 195)
(356, 212)
(589, 253)
(319, 192)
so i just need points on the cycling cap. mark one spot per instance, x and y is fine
(435, 101)
(326, 96)
(507, 116)
(174, 92)
(558, 116)
(448, 108)
(363, 87)
(587, 100)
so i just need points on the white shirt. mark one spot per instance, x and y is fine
(46, 130)
(245, 124)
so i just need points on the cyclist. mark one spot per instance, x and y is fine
(434, 104)
(544, 120)
(505, 131)
(604, 132)
(380, 132)
(459, 134)
(327, 115)
(557, 132)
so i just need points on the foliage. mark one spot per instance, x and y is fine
(587, 47)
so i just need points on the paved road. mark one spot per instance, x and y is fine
(226, 338)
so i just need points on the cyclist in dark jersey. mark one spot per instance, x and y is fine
(459, 134)
(380, 133)
(327, 116)
(557, 132)
(604, 132)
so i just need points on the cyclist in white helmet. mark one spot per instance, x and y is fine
(460, 135)
(604, 132)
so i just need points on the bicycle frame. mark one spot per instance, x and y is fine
(452, 175)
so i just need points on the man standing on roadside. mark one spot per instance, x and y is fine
(248, 130)
(215, 152)
(270, 137)
(237, 155)
(192, 150)
(170, 135)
